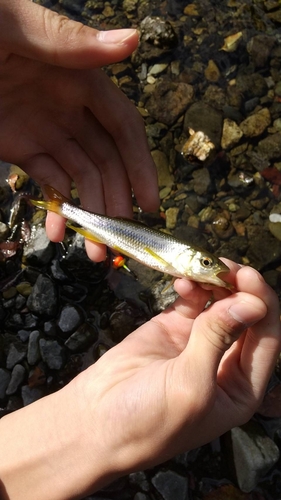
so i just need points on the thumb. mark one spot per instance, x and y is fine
(30, 30)
(218, 327)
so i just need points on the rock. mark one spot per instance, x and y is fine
(176, 96)
(202, 117)
(270, 146)
(198, 146)
(212, 72)
(171, 485)
(30, 394)
(165, 178)
(33, 352)
(39, 250)
(171, 217)
(253, 85)
(69, 319)
(52, 353)
(16, 354)
(158, 32)
(263, 250)
(202, 181)
(43, 298)
(231, 134)
(256, 124)
(83, 338)
(254, 454)
(4, 231)
(259, 47)
(5, 377)
(17, 378)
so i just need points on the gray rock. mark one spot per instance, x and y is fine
(39, 250)
(171, 485)
(33, 351)
(259, 47)
(16, 354)
(30, 394)
(43, 298)
(254, 454)
(83, 338)
(52, 353)
(17, 377)
(202, 181)
(69, 319)
(5, 377)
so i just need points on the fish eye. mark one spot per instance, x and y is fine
(206, 261)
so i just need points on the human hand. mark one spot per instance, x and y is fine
(62, 120)
(177, 382)
(188, 375)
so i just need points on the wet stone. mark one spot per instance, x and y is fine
(5, 377)
(52, 353)
(256, 124)
(33, 351)
(254, 454)
(17, 377)
(202, 180)
(30, 394)
(39, 250)
(171, 485)
(270, 147)
(69, 319)
(43, 298)
(16, 354)
(177, 96)
(202, 117)
(165, 178)
(83, 338)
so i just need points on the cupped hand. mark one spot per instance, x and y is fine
(63, 119)
(187, 376)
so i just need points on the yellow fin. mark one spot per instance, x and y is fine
(84, 232)
(157, 257)
(55, 201)
(52, 205)
(166, 288)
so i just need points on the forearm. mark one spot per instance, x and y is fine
(47, 451)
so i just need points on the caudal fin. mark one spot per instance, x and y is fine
(55, 201)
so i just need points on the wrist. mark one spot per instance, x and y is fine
(49, 448)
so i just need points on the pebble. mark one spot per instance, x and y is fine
(43, 298)
(5, 377)
(83, 338)
(30, 394)
(171, 485)
(165, 178)
(33, 351)
(16, 354)
(69, 319)
(254, 454)
(17, 377)
(171, 217)
(231, 134)
(52, 353)
(39, 250)
(177, 96)
(256, 124)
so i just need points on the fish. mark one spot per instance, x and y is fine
(155, 249)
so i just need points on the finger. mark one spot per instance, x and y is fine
(32, 31)
(263, 341)
(126, 127)
(105, 158)
(218, 327)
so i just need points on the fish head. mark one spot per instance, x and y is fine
(202, 266)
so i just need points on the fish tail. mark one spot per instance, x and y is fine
(56, 199)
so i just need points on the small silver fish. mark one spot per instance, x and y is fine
(152, 248)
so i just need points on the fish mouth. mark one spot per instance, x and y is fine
(222, 274)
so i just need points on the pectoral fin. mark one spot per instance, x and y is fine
(157, 257)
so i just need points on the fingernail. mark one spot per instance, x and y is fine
(115, 36)
(241, 312)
